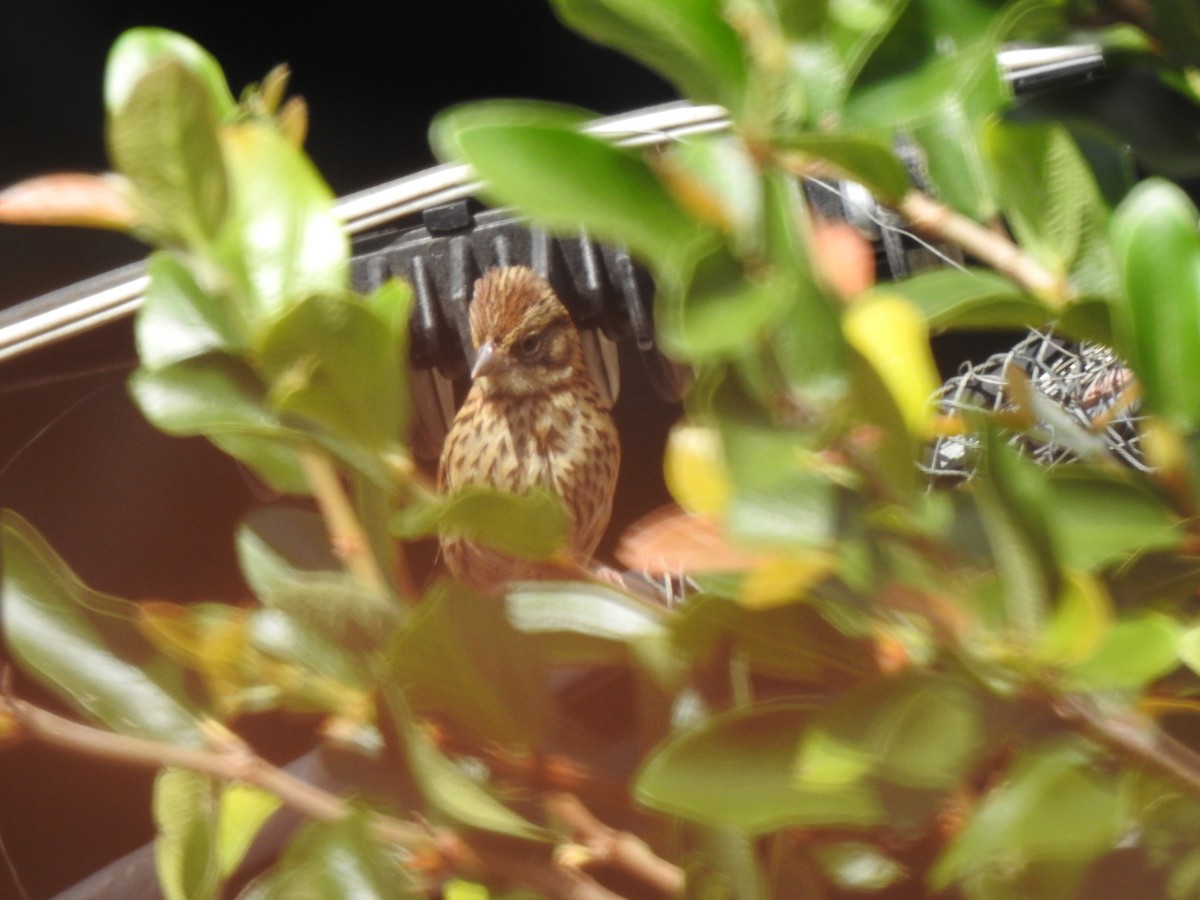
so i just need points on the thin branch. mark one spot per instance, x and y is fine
(237, 764)
(619, 849)
(936, 219)
(349, 540)
(444, 850)
(1147, 745)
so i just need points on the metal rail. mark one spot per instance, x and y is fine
(96, 301)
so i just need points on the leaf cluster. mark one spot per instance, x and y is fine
(869, 688)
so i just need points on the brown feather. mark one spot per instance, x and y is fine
(532, 418)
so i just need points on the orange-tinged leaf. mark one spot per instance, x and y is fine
(695, 470)
(69, 198)
(891, 334)
(844, 257)
(671, 541)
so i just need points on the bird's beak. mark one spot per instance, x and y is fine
(489, 360)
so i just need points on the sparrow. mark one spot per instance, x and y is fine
(532, 418)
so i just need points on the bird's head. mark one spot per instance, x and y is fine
(525, 341)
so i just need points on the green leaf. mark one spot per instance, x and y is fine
(1080, 621)
(336, 861)
(723, 312)
(916, 732)
(1054, 808)
(163, 138)
(332, 360)
(1158, 316)
(459, 655)
(861, 155)
(690, 42)
(535, 159)
(178, 320)
(1101, 518)
(86, 647)
(185, 812)
(450, 792)
(244, 810)
(1010, 494)
(286, 558)
(1136, 652)
(789, 642)
(138, 51)
(970, 298)
(737, 771)
(279, 545)
(1050, 198)
(281, 240)
(222, 399)
(589, 624)
(529, 526)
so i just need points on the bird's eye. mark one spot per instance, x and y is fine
(530, 344)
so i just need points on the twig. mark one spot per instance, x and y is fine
(443, 849)
(349, 540)
(936, 219)
(619, 849)
(238, 765)
(1149, 746)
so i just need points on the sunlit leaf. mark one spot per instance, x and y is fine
(539, 161)
(331, 359)
(86, 647)
(587, 623)
(785, 579)
(1157, 243)
(243, 811)
(221, 398)
(890, 333)
(529, 526)
(971, 298)
(163, 137)
(860, 156)
(1135, 652)
(695, 471)
(339, 860)
(138, 51)
(178, 320)
(702, 776)
(281, 239)
(1079, 622)
(185, 813)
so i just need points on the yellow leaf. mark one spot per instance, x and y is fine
(784, 579)
(695, 470)
(1082, 619)
(891, 335)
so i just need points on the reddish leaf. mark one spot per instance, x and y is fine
(69, 198)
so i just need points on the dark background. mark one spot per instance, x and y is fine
(145, 516)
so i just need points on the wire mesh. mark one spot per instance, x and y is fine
(1070, 400)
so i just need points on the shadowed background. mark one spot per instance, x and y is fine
(141, 515)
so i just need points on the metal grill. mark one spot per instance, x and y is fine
(1061, 401)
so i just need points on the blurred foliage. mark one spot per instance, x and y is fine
(873, 689)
